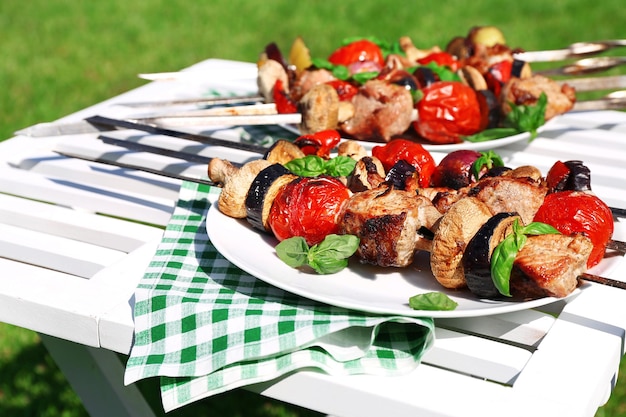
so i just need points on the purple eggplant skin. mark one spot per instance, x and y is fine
(425, 77)
(477, 259)
(257, 192)
(578, 179)
(495, 172)
(455, 169)
(399, 173)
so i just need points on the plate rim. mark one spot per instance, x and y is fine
(214, 216)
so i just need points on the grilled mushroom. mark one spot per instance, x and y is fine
(319, 108)
(236, 183)
(477, 256)
(454, 231)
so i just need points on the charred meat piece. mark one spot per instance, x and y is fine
(368, 173)
(387, 222)
(526, 91)
(549, 265)
(309, 79)
(382, 110)
(505, 194)
(501, 194)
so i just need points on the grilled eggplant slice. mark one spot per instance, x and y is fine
(477, 256)
(262, 192)
(456, 228)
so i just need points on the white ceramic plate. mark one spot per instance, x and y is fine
(359, 287)
(475, 146)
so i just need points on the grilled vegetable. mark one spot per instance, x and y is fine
(262, 192)
(477, 256)
(308, 207)
(456, 228)
(411, 152)
(579, 212)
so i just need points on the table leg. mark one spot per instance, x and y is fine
(97, 376)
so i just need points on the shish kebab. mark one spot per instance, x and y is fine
(582, 276)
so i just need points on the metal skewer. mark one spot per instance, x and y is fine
(577, 49)
(586, 66)
(207, 101)
(617, 245)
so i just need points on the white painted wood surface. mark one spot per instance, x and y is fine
(69, 263)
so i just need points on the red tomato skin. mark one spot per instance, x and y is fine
(579, 212)
(443, 59)
(357, 51)
(497, 75)
(344, 89)
(283, 101)
(411, 152)
(308, 207)
(557, 173)
(319, 143)
(447, 111)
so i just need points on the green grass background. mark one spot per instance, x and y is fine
(58, 56)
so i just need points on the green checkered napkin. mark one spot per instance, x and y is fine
(204, 326)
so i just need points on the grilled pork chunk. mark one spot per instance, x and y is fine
(387, 222)
(382, 110)
(526, 91)
(307, 80)
(501, 194)
(548, 265)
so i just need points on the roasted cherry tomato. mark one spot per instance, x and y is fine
(568, 176)
(308, 207)
(497, 75)
(319, 143)
(411, 152)
(357, 51)
(283, 101)
(447, 111)
(579, 212)
(344, 89)
(443, 59)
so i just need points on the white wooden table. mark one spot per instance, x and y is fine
(68, 271)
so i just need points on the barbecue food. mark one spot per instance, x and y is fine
(456, 228)
(382, 110)
(549, 265)
(384, 93)
(387, 223)
(526, 91)
(501, 194)
(459, 228)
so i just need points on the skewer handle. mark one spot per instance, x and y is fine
(602, 280)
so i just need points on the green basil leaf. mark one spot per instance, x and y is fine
(528, 118)
(331, 255)
(363, 77)
(322, 63)
(313, 166)
(341, 72)
(293, 251)
(432, 301)
(502, 263)
(538, 228)
(444, 73)
(492, 134)
(340, 166)
(488, 160)
(309, 166)
(328, 266)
